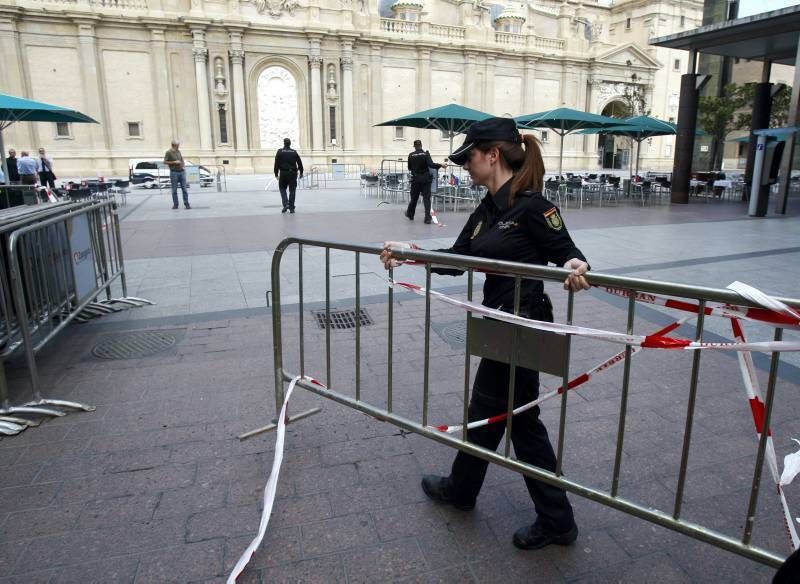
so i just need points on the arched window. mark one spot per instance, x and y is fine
(278, 111)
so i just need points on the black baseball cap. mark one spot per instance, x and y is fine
(488, 130)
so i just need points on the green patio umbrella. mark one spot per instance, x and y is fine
(564, 121)
(637, 128)
(18, 109)
(451, 118)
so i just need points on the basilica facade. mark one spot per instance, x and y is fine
(231, 78)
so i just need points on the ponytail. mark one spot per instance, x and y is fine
(530, 174)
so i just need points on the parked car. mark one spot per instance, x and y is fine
(149, 172)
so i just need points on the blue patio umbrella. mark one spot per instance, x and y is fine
(18, 109)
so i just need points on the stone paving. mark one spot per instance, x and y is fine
(154, 486)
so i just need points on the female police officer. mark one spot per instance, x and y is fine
(513, 222)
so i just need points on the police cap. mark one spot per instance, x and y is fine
(488, 130)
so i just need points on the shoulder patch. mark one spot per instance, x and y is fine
(553, 219)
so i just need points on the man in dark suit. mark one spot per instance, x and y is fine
(287, 165)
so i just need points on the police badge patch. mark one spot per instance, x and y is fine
(553, 219)
(477, 230)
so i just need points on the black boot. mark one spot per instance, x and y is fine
(534, 537)
(436, 488)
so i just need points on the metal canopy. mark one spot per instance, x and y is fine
(770, 36)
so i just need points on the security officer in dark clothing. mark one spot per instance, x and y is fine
(419, 163)
(515, 223)
(287, 164)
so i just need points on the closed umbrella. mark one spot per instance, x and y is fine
(451, 118)
(18, 109)
(564, 121)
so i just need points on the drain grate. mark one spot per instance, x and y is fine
(134, 345)
(453, 333)
(343, 319)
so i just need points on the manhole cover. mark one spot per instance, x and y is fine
(134, 345)
(342, 319)
(452, 333)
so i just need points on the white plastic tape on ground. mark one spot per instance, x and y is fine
(269, 490)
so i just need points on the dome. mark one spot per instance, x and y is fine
(512, 12)
(408, 4)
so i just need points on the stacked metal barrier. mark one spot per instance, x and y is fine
(487, 338)
(56, 260)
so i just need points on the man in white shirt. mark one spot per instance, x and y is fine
(44, 166)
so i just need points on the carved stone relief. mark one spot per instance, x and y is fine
(278, 112)
(276, 8)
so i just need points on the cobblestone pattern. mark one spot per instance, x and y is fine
(155, 487)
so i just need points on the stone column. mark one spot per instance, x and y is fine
(470, 77)
(200, 53)
(166, 121)
(315, 60)
(529, 95)
(348, 97)
(239, 90)
(488, 104)
(377, 97)
(96, 106)
(423, 78)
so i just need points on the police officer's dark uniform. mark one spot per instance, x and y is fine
(529, 231)
(287, 164)
(419, 163)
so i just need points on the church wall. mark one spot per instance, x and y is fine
(145, 69)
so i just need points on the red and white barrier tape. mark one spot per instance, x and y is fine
(272, 483)
(573, 384)
(435, 219)
(784, 317)
(751, 386)
(646, 342)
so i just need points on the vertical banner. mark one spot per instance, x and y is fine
(192, 174)
(83, 265)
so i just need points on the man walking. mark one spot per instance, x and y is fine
(177, 174)
(44, 166)
(419, 163)
(27, 169)
(11, 165)
(287, 164)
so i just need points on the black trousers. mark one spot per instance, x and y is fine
(287, 178)
(528, 435)
(420, 188)
(47, 178)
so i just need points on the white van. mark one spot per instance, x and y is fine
(149, 172)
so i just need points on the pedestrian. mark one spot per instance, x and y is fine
(287, 165)
(419, 165)
(11, 165)
(513, 222)
(27, 169)
(44, 167)
(177, 174)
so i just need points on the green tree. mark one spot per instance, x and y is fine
(716, 116)
(733, 110)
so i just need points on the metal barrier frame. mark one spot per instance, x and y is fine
(519, 271)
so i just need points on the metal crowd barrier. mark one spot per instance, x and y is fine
(512, 337)
(395, 182)
(55, 262)
(17, 195)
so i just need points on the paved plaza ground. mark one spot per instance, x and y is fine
(154, 485)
